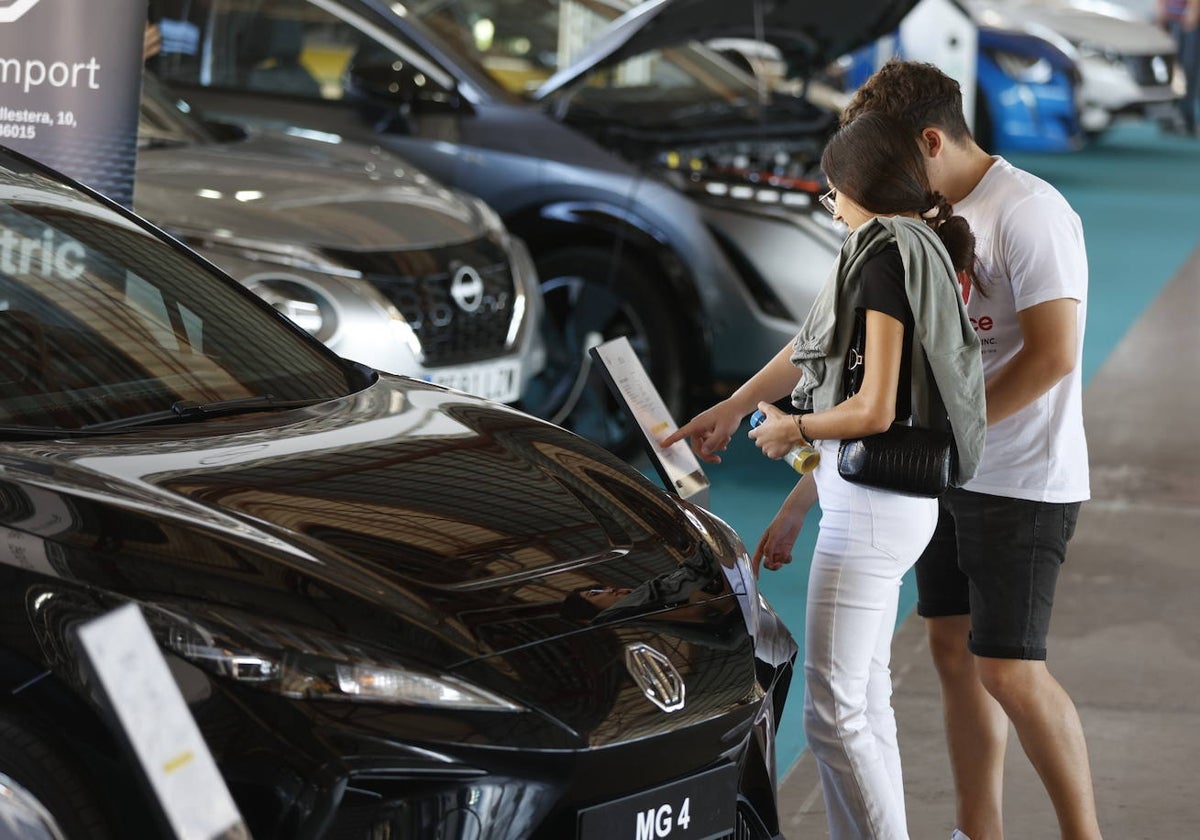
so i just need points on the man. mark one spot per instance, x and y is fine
(986, 582)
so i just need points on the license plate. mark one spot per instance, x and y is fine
(696, 808)
(499, 381)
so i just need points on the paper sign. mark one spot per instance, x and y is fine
(627, 378)
(154, 716)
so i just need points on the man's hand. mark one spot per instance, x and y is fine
(709, 432)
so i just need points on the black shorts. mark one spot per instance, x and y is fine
(996, 559)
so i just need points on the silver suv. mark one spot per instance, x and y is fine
(360, 248)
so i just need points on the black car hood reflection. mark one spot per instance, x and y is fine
(405, 500)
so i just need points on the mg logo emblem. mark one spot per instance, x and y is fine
(467, 288)
(11, 10)
(656, 677)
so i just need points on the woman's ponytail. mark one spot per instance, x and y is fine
(955, 234)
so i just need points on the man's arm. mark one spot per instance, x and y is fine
(1048, 353)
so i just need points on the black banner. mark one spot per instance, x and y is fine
(70, 80)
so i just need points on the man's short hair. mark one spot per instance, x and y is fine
(916, 93)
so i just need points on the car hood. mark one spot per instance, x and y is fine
(347, 196)
(404, 504)
(1080, 26)
(404, 524)
(810, 35)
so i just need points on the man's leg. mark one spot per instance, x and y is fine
(1052, 736)
(1012, 551)
(976, 730)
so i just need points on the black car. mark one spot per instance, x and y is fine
(664, 196)
(377, 595)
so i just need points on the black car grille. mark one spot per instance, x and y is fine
(747, 825)
(420, 284)
(1150, 70)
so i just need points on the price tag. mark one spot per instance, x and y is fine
(159, 726)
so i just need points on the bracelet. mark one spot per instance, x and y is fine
(804, 438)
(808, 438)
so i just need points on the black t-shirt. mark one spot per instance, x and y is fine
(883, 291)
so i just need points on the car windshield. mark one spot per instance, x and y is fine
(165, 118)
(100, 320)
(522, 43)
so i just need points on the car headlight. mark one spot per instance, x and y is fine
(1030, 69)
(302, 302)
(311, 667)
(1102, 53)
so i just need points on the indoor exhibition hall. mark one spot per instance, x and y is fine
(599, 419)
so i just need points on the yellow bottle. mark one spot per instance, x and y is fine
(802, 458)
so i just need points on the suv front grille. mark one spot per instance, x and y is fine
(453, 327)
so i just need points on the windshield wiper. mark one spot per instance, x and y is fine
(18, 432)
(186, 410)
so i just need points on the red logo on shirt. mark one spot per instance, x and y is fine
(964, 280)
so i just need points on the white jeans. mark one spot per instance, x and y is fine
(867, 540)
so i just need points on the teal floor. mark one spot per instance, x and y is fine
(1138, 193)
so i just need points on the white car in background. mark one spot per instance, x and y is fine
(1127, 65)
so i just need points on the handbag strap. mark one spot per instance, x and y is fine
(852, 375)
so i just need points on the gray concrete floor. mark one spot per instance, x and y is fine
(1125, 639)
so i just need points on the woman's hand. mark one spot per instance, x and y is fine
(774, 548)
(709, 432)
(776, 435)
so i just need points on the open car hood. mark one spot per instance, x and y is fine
(809, 34)
(1081, 25)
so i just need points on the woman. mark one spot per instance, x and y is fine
(899, 271)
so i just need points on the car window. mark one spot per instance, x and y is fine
(289, 47)
(292, 48)
(100, 320)
(165, 117)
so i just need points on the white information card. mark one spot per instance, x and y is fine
(627, 378)
(160, 727)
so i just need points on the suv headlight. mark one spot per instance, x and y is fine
(1030, 69)
(311, 667)
(304, 303)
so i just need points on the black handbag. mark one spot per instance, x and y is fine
(912, 460)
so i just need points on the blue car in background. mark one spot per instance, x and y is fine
(1025, 97)
(1026, 90)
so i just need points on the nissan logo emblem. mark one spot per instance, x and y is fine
(467, 288)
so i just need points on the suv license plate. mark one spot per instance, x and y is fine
(696, 808)
(499, 381)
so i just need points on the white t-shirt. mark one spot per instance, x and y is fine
(1029, 243)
